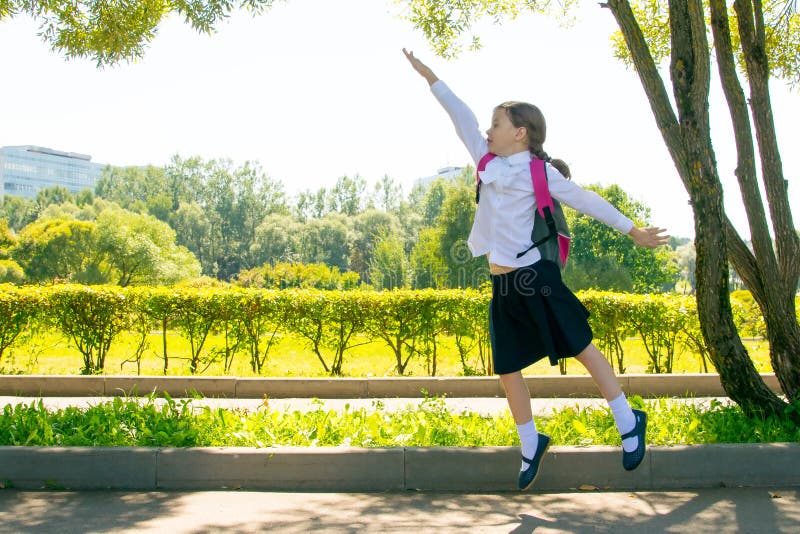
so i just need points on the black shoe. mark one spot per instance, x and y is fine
(528, 477)
(631, 460)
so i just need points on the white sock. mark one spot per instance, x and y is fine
(529, 438)
(623, 416)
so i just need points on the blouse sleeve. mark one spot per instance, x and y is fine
(587, 202)
(464, 120)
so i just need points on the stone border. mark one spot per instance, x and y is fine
(467, 469)
(546, 386)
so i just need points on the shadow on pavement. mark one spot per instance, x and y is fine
(718, 510)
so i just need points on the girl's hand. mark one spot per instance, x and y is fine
(420, 67)
(648, 237)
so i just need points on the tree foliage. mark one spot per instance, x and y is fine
(446, 23)
(141, 249)
(113, 31)
(57, 249)
(389, 267)
(602, 258)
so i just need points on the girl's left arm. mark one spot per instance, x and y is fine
(594, 205)
(648, 237)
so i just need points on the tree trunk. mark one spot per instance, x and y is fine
(689, 143)
(780, 275)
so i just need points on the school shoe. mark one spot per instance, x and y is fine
(528, 476)
(631, 460)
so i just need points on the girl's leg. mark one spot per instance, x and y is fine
(603, 375)
(601, 372)
(518, 396)
(519, 401)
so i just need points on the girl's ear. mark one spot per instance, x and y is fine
(521, 134)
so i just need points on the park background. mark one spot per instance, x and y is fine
(297, 164)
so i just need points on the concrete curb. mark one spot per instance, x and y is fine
(477, 469)
(645, 385)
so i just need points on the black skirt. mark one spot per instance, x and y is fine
(532, 315)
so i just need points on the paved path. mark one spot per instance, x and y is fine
(718, 510)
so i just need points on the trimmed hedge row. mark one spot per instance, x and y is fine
(411, 324)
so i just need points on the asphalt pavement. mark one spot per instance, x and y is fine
(714, 510)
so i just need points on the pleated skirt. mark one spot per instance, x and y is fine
(533, 315)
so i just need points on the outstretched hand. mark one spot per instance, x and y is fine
(420, 67)
(648, 237)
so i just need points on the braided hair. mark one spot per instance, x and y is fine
(528, 116)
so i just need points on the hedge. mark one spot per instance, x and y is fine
(410, 323)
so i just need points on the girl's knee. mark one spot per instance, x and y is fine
(510, 376)
(588, 353)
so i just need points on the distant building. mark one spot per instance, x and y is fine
(445, 172)
(24, 170)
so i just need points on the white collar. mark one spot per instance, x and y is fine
(519, 157)
(493, 172)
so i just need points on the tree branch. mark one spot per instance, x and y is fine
(752, 36)
(651, 80)
(766, 265)
(744, 262)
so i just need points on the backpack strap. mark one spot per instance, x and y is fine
(481, 166)
(544, 202)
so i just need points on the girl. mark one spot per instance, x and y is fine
(532, 313)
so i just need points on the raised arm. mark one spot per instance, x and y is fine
(421, 67)
(463, 118)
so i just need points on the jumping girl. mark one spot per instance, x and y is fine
(532, 313)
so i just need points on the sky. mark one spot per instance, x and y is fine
(314, 90)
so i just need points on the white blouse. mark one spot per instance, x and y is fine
(504, 218)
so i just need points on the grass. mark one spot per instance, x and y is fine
(145, 422)
(51, 354)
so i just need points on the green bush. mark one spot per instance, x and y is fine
(411, 323)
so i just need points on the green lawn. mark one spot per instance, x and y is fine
(143, 422)
(291, 357)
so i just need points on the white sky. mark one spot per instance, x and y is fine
(314, 90)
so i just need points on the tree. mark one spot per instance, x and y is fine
(193, 231)
(348, 195)
(431, 203)
(766, 44)
(85, 197)
(428, 268)
(256, 195)
(770, 271)
(11, 272)
(53, 195)
(602, 258)
(70, 210)
(310, 205)
(57, 249)
(140, 249)
(18, 211)
(7, 240)
(110, 32)
(276, 240)
(388, 194)
(367, 227)
(326, 240)
(135, 187)
(388, 266)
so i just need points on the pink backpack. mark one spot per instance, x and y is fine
(550, 232)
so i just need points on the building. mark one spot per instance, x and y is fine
(447, 173)
(24, 170)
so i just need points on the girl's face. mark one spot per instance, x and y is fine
(504, 138)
